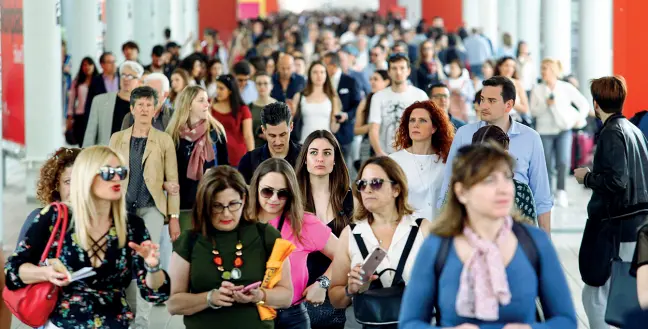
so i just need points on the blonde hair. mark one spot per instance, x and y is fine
(181, 113)
(555, 65)
(84, 203)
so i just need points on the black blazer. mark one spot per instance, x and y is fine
(350, 95)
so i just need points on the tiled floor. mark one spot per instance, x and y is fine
(568, 224)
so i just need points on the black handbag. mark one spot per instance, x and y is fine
(622, 299)
(379, 307)
(596, 252)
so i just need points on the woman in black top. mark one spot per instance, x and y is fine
(429, 70)
(200, 144)
(103, 237)
(324, 178)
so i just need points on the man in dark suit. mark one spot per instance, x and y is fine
(349, 92)
(107, 81)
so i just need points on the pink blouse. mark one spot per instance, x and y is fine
(76, 105)
(314, 235)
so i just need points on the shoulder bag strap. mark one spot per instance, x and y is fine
(61, 227)
(398, 277)
(261, 230)
(439, 263)
(528, 246)
(280, 225)
(361, 245)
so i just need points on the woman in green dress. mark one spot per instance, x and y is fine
(524, 201)
(223, 253)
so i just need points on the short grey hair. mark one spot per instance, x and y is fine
(166, 85)
(134, 66)
(143, 92)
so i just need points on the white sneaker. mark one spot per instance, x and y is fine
(561, 198)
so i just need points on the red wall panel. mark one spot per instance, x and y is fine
(630, 44)
(220, 15)
(450, 11)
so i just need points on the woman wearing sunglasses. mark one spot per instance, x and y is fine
(200, 144)
(103, 237)
(276, 199)
(494, 267)
(423, 139)
(224, 252)
(54, 183)
(324, 180)
(383, 219)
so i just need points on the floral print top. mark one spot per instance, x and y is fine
(98, 301)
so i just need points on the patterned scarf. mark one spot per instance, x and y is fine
(202, 150)
(484, 285)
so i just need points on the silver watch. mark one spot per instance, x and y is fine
(324, 282)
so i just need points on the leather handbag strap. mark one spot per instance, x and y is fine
(60, 226)
(398, 277)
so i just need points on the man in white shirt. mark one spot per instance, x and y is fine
(387, 105)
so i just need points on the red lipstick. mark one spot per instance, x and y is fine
(116, 188)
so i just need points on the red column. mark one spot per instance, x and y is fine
(450, 11)
(630, 44)
(220, 15)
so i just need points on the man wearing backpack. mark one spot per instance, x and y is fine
(619, 203)
(276, 124)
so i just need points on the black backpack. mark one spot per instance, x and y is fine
(528, 246)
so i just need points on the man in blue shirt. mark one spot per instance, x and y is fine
(497, 100)
(286, 83)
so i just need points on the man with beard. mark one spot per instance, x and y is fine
(276, 124)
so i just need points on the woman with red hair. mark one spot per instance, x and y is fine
(423, 141)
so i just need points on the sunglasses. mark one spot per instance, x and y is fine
(108, 173)
(282, 195)
(376, 184)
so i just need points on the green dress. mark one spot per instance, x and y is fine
(204, 275)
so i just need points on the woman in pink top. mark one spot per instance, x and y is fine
(275, 198)
(78, 94)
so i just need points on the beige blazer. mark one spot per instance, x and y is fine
(160, 165)
(100, 120)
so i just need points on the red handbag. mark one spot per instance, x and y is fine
(33, 304)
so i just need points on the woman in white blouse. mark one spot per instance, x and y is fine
(317, 104)
(423, 139)
(382, 219)
(558, 108)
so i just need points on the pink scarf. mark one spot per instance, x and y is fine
(484, 285)
(202, 150)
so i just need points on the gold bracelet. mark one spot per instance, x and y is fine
(263, 300)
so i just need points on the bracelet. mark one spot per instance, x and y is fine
(174, 216)
(153, 269)
(263, 300)
(346, 291)
(209, 302)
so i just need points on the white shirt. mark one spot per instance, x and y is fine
(315, 116)
(424, 178)
(387, 108)
(562, 116)
(336, 79)
(393, 253)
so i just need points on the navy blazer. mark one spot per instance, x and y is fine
(296, 84)
(350, 95)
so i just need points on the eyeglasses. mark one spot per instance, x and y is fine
(397, 55)
(108, 173)
(233, 206)
(376, 184)
(128, 76)
(268, 192)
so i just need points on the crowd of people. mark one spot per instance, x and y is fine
(347, 136)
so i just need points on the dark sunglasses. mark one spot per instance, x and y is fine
(376, 184)
(108, 173)
(282, 195)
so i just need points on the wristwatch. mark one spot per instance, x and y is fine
(174, 216)
(324, 282)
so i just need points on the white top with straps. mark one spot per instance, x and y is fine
(393, 253)
(315, 116)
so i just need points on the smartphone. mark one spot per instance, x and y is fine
(370, 265)
(251, 287)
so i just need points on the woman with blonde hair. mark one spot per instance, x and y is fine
(488, 261)
(558, 107)
(116, 245)
(276, 199)
(200, 144)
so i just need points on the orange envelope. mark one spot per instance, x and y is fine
(281, 250)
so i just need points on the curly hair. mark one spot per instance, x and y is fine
(50, 174)
(442, 137)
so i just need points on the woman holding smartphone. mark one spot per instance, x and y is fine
(224, 252)
(276, 199)
(383, 219)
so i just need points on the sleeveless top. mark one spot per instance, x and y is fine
(315, 116)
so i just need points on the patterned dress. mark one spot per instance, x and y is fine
(98, 301)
